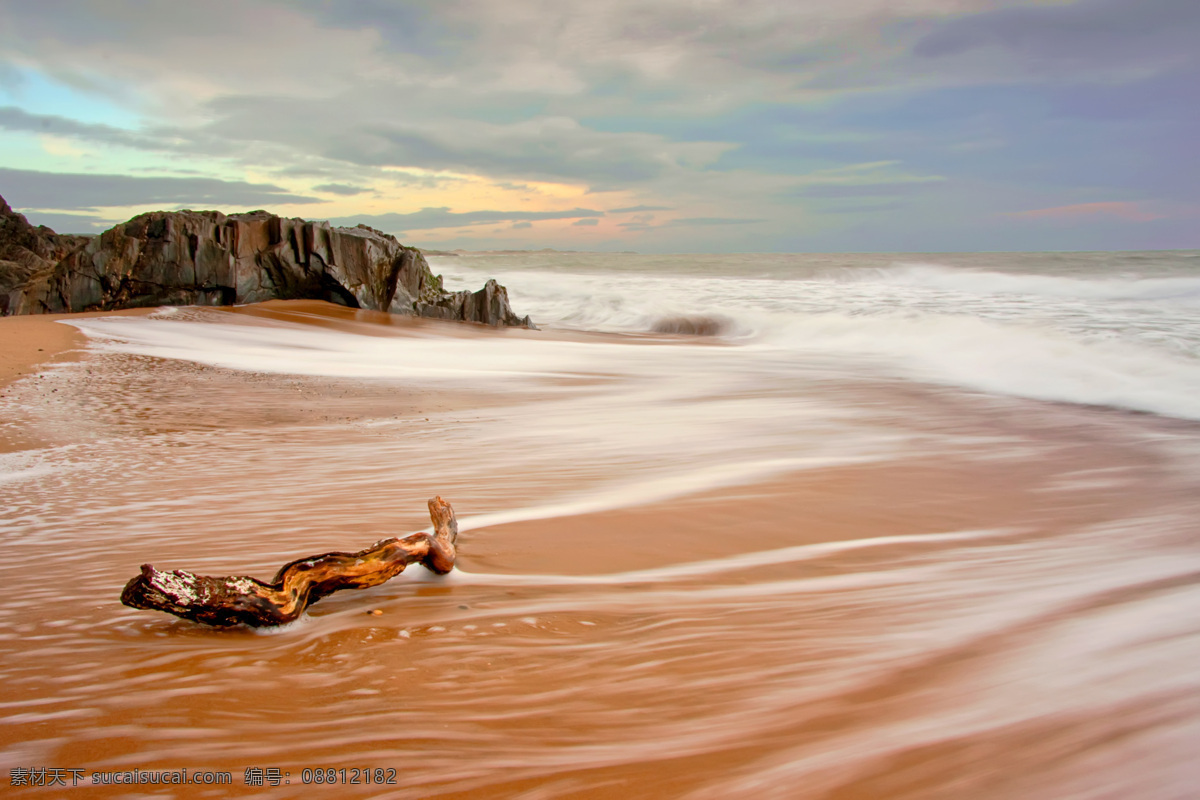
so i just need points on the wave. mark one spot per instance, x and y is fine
(1020, 360)
(1017, 358)
(636, 303)
(1125, 341)
(285, 348)
(980, 282)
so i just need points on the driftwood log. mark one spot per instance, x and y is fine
(242, 600)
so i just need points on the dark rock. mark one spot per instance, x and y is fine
(692, 326)
(489, 306)
(26, 250)
(208, 258)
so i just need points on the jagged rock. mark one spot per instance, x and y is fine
(208, 258)
(26, 250)
(489, 305)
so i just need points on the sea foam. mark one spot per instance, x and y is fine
(983, 282)
(1017, 357)
(1012, 359)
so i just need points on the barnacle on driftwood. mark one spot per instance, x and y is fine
(242, 600)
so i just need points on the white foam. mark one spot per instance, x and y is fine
(14, 474)
(1129, 342)
(729, 564)
(1013, 359)
(284, 348)
(1044, 337)
(656, 490)
(983, 282)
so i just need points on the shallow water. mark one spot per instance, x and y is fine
(689, 567)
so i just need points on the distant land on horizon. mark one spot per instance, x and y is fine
(464, 252)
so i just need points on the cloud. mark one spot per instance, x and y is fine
(1130, 211)
(863, 208)
(543, 148)
(166, 49)
(749, 111)
(70, 223)
(16, 119)
(838, 190)
(339, 188)
(337, 173)
(431, 218)
(707, 221)
(586, 221)
(1102, 37)
(87, 192)
(520, 225)
(10, 76)
(636, 209)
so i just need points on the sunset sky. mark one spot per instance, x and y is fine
(662, 126)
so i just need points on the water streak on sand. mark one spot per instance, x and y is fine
(794, 562)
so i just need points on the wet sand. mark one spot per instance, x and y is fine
(27, 345)
(34, 340)
(937, 621)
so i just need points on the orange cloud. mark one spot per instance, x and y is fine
(1124, 210)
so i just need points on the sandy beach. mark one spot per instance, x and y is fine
(32, 341)
(626, 619)
(30, 344)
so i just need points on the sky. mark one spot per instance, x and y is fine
(670, 126)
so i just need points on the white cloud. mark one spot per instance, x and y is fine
(635, 102)
(60, 146)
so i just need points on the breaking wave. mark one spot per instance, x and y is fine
(1009, 359)
(980, 282)
(1018, 359)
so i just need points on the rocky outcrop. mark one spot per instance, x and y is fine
(26, 250)
(208, 258)
(699, 325)
(489, 305)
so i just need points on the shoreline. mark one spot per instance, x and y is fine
(33, 340)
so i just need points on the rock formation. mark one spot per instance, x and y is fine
(489, 303)
(208, 258)
(25, 250)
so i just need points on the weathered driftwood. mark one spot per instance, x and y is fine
(241, 600)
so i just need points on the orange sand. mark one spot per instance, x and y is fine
(26, 342)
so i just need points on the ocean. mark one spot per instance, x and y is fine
(836, 526)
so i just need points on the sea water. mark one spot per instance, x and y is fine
(897, 526)
(1108, 329)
